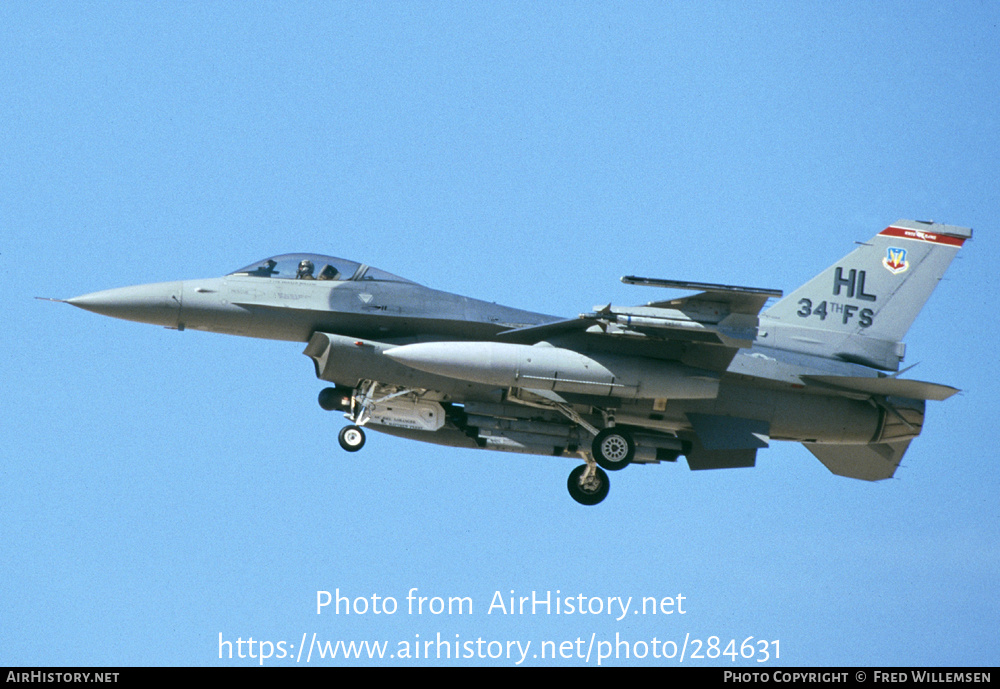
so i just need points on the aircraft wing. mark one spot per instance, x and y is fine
(704, 330)
(537, 333)
(734, 299)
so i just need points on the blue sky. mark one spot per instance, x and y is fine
(160, 489)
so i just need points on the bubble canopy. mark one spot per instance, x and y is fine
(314, 267)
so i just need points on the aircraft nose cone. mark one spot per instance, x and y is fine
(159, 304)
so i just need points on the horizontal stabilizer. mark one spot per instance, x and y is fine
(865, 462)
(889, 387)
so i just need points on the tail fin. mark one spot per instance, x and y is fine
(860, 308)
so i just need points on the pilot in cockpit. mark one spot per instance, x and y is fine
(305, 270)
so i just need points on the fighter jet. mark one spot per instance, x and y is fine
(714, 376)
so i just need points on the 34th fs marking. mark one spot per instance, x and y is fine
(855, 287)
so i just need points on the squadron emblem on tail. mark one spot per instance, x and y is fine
(895, 261)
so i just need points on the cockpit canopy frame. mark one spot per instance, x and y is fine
(315, 267)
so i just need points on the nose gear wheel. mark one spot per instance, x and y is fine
(351, 438)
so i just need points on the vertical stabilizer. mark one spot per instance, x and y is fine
(860, 308)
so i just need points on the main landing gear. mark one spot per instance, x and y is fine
(588, 484)
(613, 450)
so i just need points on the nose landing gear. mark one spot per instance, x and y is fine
(351, 438)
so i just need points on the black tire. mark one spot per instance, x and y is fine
(613, 449)
(592, 493)
(351, 438)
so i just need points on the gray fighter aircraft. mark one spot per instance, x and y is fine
(710, 376)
